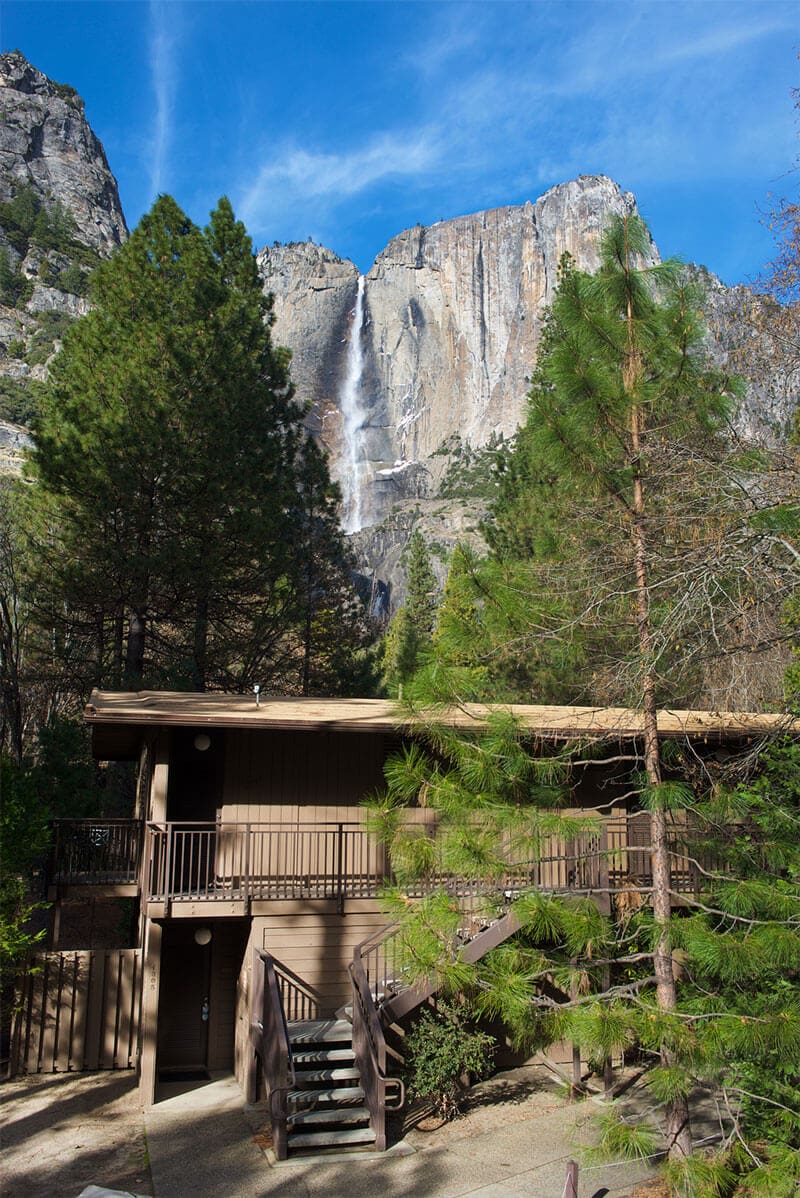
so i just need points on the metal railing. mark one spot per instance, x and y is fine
(381, 1092)
(269, 1037)
(616, 859)
(261, 861)
(326, 860)
(95, 852)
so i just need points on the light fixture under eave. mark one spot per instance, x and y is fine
(203, 936)
(202, 742)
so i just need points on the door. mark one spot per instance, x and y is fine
(183, 1006)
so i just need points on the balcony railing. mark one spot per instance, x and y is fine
(262, 861)
(101, 852)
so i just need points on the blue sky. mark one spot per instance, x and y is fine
(350, 122)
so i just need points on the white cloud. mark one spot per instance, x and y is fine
(720, 40)
(162, 70)
(321, 180)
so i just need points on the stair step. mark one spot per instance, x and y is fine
(347, 1114)
(321, 1031)
(327, 1075)
(345, 1094)
(331, 1139)
(316, 1056)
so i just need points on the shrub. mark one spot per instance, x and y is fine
(442, 1048)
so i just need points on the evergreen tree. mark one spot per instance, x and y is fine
(409, 635)
(628, 540)
(168, 463)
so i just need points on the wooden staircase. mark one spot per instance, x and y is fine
(329, 1080)
(325, 1106)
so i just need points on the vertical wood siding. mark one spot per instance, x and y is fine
(78, 1011)
(290, 776)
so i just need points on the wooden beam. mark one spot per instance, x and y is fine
(148, 1050)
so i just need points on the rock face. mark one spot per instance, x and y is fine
(60, 214)
(45, 142)
(455, 312)
(450, 326)
(314, 294)
(452, 320)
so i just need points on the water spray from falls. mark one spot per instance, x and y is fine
(354, 419)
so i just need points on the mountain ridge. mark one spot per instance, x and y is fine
(450, 321)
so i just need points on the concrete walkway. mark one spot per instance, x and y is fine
(516, 1142)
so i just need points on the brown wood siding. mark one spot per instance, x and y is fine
(315, 943)
(78, 1011)
(189, 974)
(287, 776)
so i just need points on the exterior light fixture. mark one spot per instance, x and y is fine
(202, 742)
(202, 936)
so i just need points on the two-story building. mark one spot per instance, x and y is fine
(258, 891)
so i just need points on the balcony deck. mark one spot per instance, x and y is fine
(196, 869)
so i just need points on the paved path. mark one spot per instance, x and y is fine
(204, 1144)
(63, 1133)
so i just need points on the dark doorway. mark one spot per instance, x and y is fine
(198, 994)
(183, 1006)
(196, 766)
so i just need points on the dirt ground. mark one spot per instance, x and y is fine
(63, 1132)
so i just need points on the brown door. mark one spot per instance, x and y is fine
(183, 1007)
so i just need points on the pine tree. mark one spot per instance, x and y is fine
(167, 509)
(629, 538)
(409, 636)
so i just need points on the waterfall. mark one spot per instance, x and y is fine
(354, 419)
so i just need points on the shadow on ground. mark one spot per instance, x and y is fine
(61, 1133)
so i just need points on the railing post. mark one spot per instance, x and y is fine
(339, 870)
(168, 869)
(246, 879)
(604, 897)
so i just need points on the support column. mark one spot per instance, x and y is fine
(148, 1063)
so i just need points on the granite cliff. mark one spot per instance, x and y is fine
(448, 322)
(451, 322)
(60, 214)
(413, 372)
(46, 142)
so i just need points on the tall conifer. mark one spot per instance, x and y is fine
(169, 461)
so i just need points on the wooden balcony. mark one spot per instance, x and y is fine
(94, 855)
(191, 869)
(226, 868)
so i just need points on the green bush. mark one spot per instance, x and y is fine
(15, 289)
(19, 399)
(26, 220)
(441, 1049)
(74, 280)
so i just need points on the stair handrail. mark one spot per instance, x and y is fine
(381, 1092)
(269, 1035)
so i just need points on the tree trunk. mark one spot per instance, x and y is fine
(678, 1130)
(309, 622)
(119, 640)
(200, 646)
(134, 650)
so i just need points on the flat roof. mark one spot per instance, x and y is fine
(124, 711)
